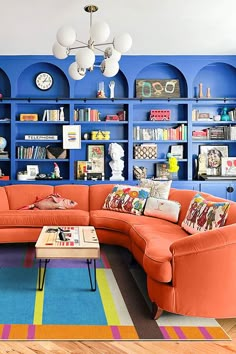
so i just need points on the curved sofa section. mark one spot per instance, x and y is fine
(186, 274)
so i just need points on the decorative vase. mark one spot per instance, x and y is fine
(61, 115)
(224, 115)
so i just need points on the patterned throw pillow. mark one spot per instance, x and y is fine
(162, 209)
(127, 199)
(203, 215)
(158, 189)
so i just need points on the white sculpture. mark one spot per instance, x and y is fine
(117, 165)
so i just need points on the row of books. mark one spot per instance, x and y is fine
(216, 133)
(31, 152)
(178, 133)
(52, 115)
(86, 115)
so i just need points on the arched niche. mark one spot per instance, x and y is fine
(5, 86)
(89, 85)
(163, 71)
(26, 86)
(219, 77)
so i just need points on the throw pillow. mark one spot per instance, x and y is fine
(203, 215)
(158, 189)
(127, 199)
(162, 209)
(51, 202)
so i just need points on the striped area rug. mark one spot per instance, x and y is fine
(67, 310)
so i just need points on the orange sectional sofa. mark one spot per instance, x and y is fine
(186, 274)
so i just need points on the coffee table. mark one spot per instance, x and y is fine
(67, 242)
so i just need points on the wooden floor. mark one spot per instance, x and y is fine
(125, 347)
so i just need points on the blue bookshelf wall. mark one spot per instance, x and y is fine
(20, 95)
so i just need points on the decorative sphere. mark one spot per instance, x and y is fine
(66, 36)
(3, 143)
(59, 51)
(123, 42)
(74, 72)
(85, 58)
(109, 67)
(99, 32)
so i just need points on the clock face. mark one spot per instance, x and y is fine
(44, 81)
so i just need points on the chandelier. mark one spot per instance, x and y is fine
(85, 52)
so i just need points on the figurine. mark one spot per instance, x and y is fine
(112, 89)
(56, 170)
(117, 165)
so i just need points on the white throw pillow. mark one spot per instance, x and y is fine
(162, 209)
(158, 189)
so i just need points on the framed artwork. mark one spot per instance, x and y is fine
(83, 167)
(32, 171)
(162, 171)
(211, 156)
(95, 154)
(177, 151)
(156, 88)
(228, 166)
(71, 137)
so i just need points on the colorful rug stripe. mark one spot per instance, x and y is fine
(38, 306)
(107, 299)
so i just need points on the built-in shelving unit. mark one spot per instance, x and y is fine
(21, 96)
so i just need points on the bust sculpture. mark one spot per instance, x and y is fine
(117, 165)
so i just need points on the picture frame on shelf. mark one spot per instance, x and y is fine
(212, 156)
(228, 166)
(82, 167)
(177, 151)
(162, 171)
(71, 136)
(96, 155)
(32, 171)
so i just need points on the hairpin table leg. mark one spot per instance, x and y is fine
(93, 286)
(41, 278)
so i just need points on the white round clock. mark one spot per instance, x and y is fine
(44, 81)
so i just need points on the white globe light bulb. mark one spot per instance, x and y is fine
(123, 42)
(112, 53)
(85, 58)
(109, 67)
(66, 36)
(99, 32)
(74, 73)
(59, 51)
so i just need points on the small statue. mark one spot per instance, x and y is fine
(112, 89)
(173, 166)
(117, 165)
(56, 170)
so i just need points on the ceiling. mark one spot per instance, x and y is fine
(172, 27)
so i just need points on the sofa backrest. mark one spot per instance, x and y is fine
(76, 192)
(98, 194)
(184, 197)
(21, 195)
(4, 204)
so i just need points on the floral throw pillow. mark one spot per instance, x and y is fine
(203, 215)
(127, 199)
(158, 189)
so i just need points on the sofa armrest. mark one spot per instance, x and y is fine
(204, 241)
(204, 271)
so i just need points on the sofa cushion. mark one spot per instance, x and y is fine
(158, 189)
(205, 215)
(121, 222)
(156, 255)
(39, 218)
(162, 209)
(127, 199)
